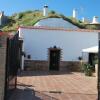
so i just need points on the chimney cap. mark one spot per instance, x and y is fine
(96, 17)
(45, 6)
(95, 20)
(75, 9)
(2, 13)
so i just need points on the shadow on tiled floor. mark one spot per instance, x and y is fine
(29, 94)
(43, 73)
(33, 85)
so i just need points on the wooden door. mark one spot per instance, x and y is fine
(54, 59)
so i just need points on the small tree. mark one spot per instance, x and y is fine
(52, 12)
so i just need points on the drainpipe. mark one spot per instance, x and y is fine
(98, 79)
(22, 59)
(22, 63)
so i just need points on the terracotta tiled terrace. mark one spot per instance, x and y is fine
(35, 85)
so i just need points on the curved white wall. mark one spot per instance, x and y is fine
(56, 22)
(37, 42)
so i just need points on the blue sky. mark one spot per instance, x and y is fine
(86, 8)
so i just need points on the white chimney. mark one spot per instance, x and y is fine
(1, 13)
(1, 16)
(95, 20)
(83, 20)
(45, 10)
(74, 13)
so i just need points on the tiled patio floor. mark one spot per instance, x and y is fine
(55, 86)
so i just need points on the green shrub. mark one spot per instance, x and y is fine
(29, 11)
(87, 68)
(52, 12)
(19, 16)
(62, 16)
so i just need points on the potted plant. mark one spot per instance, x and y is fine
(87, 69)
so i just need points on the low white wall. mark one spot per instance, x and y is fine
(37, 42)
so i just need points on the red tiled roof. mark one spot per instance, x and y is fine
(61, 29)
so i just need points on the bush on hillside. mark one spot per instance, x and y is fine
(52, 12)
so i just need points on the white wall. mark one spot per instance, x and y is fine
(56, 22)
(37, 42)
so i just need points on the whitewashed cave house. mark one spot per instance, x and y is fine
(57, 32)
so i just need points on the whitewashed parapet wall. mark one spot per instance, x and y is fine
(37, 42)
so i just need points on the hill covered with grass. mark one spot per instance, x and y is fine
(29, 18)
